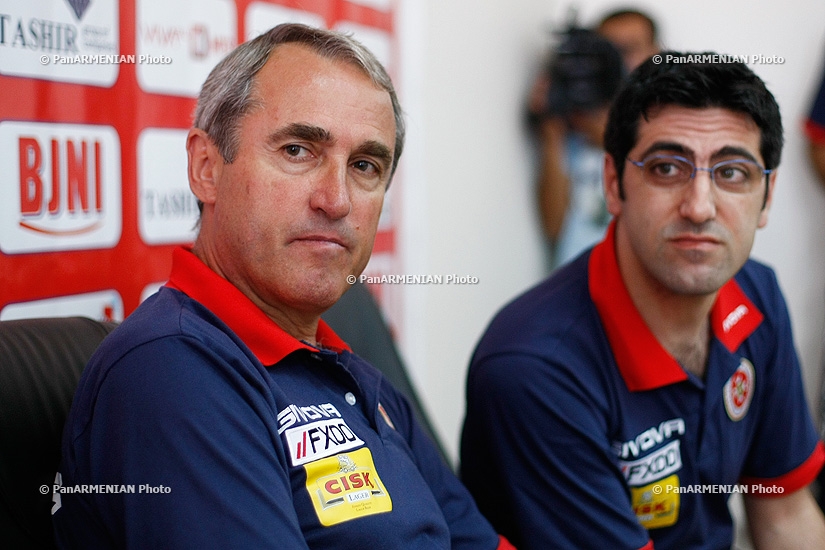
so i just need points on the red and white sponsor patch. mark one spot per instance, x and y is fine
(320, 439)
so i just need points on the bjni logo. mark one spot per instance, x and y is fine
(70, 187)
(79, 7)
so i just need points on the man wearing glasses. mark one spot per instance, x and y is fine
(621, 403)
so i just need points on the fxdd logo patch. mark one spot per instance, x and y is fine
(656, 465)
(346, 487)
(320, 439)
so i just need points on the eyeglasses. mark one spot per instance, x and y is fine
(734, 175)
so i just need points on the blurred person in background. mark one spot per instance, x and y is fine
(815, 133)
(568, 106)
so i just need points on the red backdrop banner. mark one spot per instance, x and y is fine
(97, 97)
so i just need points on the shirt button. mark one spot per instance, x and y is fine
(316, 356)
(350, 398)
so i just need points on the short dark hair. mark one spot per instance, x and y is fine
(696, 80)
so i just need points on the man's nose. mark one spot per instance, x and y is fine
(331, 192)
(699, 199)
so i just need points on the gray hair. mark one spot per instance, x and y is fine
(226, 96)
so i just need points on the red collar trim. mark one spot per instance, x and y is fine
(269, 342)
(643, 363)
(815, 132)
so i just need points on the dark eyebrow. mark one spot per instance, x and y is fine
(673, 147)
(668, 147)
(731, 151)
(303, 132)
(377, 150)
(316, 134)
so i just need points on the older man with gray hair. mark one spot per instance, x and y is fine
(223, 413)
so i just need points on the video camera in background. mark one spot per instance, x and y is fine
(585, 73)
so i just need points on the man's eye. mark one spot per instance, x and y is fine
(366, 167)
(665, 169)
(732, 174)
(296, 150)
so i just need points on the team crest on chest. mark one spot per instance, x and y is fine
(738, 390)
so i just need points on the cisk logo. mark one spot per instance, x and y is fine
(63, 181)
(346, 487)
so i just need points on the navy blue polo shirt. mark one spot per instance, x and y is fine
(233, 434)
(582, 431)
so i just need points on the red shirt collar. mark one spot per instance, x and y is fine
(269, 342)
(643, 363)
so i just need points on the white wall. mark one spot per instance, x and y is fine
(467, 180)
(468, 172)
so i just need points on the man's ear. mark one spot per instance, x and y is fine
(766, 207)
(612, 187)
(204, 165)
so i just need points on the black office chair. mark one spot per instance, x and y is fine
(40, 365)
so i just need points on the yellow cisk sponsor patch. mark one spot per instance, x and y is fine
(657, 504)
(345, 487)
